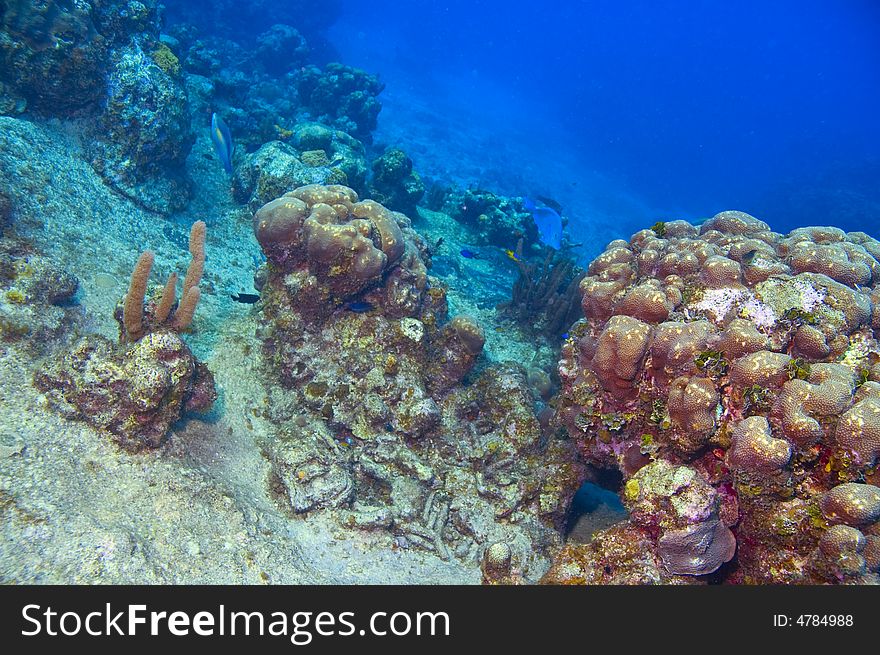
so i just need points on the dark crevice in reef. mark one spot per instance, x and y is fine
(596, 505)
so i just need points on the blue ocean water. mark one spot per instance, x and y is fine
(628, 112)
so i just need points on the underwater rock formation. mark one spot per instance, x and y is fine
(256, 16)
(54, 54)
(342, 96)
(277, 168)
(102, 63)
(395, 184)
(134, 392)
(748, 362)
(137, 389)
(495, 219)
(281, 49)
(392, 439)
(143, 135)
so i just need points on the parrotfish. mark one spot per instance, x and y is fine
(222, 140)
(549, 223)
(512, 255)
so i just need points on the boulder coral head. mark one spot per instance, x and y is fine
(347, 245)
(747, 360)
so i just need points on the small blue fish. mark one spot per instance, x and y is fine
(549, 223)
(565, 336)
(469, 254)
(359, 306)
(222, 140)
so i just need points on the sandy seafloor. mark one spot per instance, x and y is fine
(77, 509)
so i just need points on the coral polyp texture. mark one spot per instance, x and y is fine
(385, 416)
(744, 362)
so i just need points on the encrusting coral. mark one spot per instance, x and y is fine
(746, 360)
(137, 389)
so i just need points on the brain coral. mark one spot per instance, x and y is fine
(747, 357)
(347, 245)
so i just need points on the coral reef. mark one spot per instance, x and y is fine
(257, 16)
(137, 389)
(342, 96)
(395, 184)
(54, 54)
(281, 49)
(102, 63)
(143, 135)
(134, 393)
(393, 439)
(277, 168)
(495, 219)
(744, 361)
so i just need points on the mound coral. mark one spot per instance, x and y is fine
(749, 360)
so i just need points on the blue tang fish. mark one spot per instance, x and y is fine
(222, 140)
(469, 254)
(549, 223)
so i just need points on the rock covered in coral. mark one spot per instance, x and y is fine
(103, 63)
(342, 96)
(392, 439)
(731, 351)
(135, 392)
(495, 219)
(5, 211)
(143, 134)
(620, 555)
(54, 53)
(395, 184)
(454, 352)
(277, 168)
(255, 17)
(280, 49)
(35, 295)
